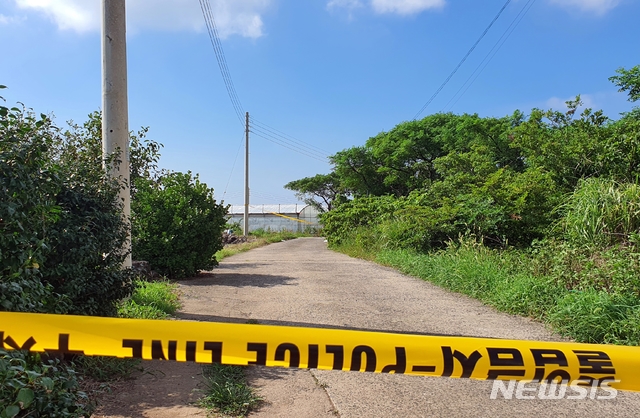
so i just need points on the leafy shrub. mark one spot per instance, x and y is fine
(340, 222)
(31, 387)
(28, 185)
(177, 225)
(62, 229)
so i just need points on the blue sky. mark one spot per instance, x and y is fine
(329, 73)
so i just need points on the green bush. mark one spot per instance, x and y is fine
(28, 186)
(32, 387)
(62, 229)
(177, 225)
(340, 222)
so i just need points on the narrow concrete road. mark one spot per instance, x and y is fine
(301, 282)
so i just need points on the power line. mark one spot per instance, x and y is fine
(283, 141)
(499, 43)
(287, 137)
(222, 62)
(462, 61)
(233, 166)
(259, 129)
(262, 195)
(279, 140)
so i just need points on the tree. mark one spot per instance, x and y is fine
(628, 80)
(567, 145)
(85, 142)
(319, 191)
(403, 160)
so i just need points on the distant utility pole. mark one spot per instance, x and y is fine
(115, 110)
(246, 178)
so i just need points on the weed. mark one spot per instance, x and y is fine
(151, 300)
(227, 390)
(601, 212)
(593, 316)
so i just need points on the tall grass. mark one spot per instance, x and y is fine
(598, 317)
(589, 296)
(496, 278)
(602, 212)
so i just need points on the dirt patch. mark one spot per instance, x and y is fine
(165, 389)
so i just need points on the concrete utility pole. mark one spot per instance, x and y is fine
(115, 110)
(246, 178)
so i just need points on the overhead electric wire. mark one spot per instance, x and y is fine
(286, 137)
(262, 195)
(276, 141)
(222, 62)
(499, 43)
(233, 167)
(279, 139)
(258, 128)
(462, 61)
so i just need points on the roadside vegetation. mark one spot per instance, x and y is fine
(258, 238)
(61, 243)
(537, 214)
(151, 300)
(227, 391)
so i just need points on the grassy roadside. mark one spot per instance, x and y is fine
(258, 239)
(151, 300)
(510, 281)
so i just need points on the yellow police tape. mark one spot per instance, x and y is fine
(290, 218)
(284, 346)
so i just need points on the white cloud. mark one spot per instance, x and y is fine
(7, 20)
(599, 7)
(405, 7)
(241, 17)
(346, 4)
(401, 7)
